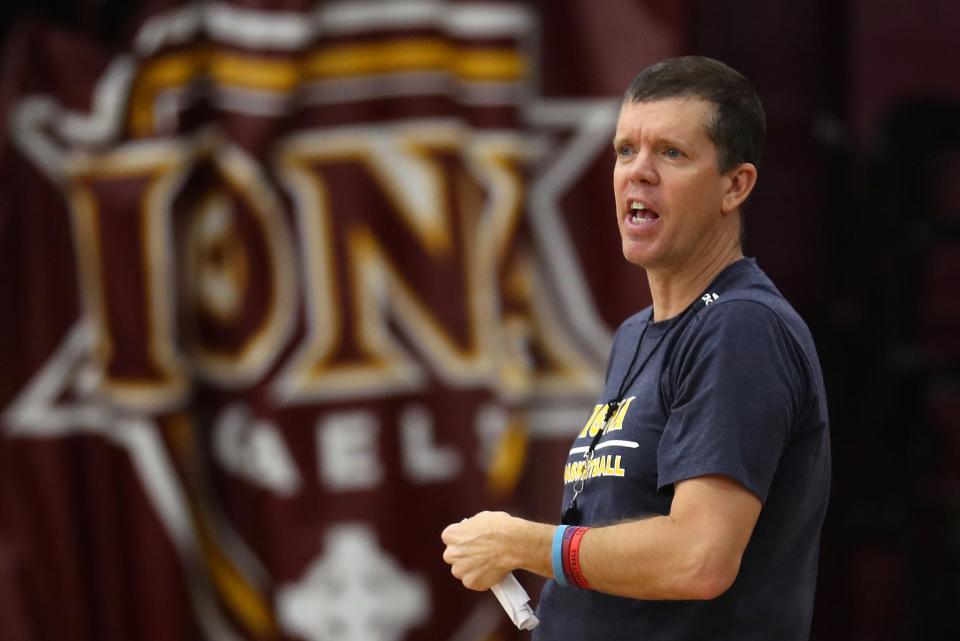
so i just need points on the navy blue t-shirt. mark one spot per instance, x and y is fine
(730, 386)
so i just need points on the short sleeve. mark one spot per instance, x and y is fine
(736, 389)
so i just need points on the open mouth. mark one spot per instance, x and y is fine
(640, 213)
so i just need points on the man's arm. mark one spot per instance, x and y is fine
(693, 553)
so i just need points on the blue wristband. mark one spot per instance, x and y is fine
(556, 555)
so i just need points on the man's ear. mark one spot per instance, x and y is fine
(740, 182)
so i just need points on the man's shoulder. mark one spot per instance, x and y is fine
(750, 299)
(756, 319)
(750, 306)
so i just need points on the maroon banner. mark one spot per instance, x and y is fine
(287, 287)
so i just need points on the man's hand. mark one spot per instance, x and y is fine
(478, 550)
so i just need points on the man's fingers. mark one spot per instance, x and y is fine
(468, 551)
(449, 532)
(445, 535)
(470, 584)
(469, 581)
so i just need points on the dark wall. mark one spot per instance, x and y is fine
(856, 219)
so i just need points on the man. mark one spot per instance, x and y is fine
(700, 483)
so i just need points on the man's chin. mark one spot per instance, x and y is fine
(641, 257)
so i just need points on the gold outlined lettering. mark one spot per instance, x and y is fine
(220, 274)
(356, 286)
(121, 203)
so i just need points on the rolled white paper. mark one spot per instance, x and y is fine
(516, 602)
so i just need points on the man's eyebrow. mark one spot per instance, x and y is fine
(673, 142)
(659, 140)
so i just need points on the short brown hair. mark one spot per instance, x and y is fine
(738, 127)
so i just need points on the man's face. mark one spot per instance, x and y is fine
(666, 183)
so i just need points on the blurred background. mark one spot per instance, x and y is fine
(288, 286)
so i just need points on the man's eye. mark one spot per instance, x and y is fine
(624, 151)
(673, 153)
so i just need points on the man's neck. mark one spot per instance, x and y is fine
(672, 291)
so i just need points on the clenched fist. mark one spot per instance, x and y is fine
(479, 549)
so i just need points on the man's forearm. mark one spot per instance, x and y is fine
(694, 553)
(655, 558)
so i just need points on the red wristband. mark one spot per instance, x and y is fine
(571, 560)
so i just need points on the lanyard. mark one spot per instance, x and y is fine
(572, 515)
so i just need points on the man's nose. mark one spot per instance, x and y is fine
(643, 169)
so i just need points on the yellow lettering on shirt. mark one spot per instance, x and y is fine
(609, 465)
(596, 411)
(598, 420)
(617, 422)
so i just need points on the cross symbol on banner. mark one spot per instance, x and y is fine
(354, 592)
